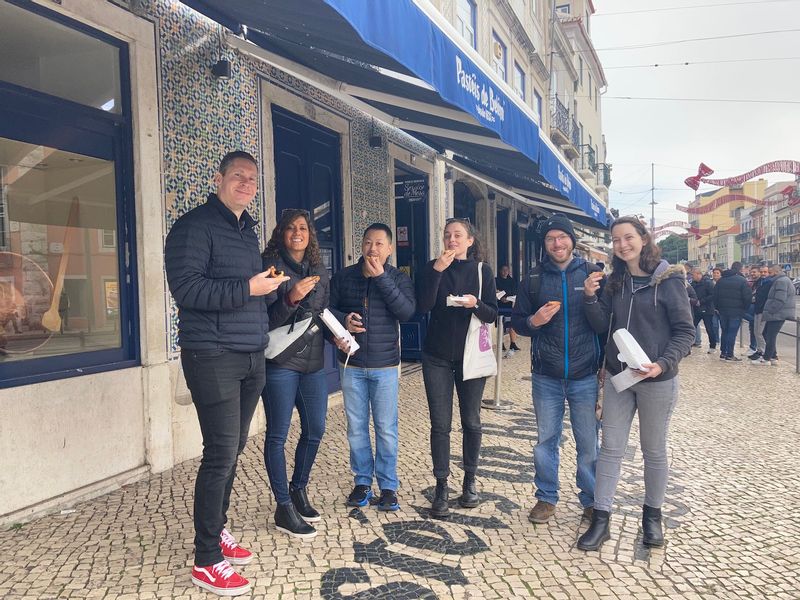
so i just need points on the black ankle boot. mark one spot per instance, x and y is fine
(598, 532)
(652, 534)
(303, 506)
(469, 494)
(288, 520)
(439, 506)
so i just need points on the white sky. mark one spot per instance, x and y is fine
(731, 138)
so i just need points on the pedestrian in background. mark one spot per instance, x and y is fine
(760, 293)
(779, 307)
(704, 310)
(648, 297)
(506, 283)
(296, 381)
(454, 273)
(732, 298)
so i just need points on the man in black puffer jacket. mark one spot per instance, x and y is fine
(213, 265)
(565, 358)
(704, 309)
(371, 298)
(732, 297)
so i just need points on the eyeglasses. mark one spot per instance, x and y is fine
(561, 239)
(457, 220)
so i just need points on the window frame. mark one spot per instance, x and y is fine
(46, 118)
(518, 70)
(473, 20)
(503, 61)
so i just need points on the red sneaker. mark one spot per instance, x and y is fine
(232, 551)
(220, 579)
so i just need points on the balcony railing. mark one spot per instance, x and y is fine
(604, 174)
(588, 159)
(744, 236)
(560, 117)
(756, 258)
(789, 229)
(789, 257)
(576, 133)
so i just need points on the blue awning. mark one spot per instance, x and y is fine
(399, 61)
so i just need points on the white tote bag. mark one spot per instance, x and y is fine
(479, 359)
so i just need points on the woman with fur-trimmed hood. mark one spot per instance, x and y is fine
(648, 297)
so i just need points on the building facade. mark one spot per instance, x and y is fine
(113, 118)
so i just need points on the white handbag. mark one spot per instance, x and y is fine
(479, 359)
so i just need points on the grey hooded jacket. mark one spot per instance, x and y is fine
(780, 303)
(658, 316)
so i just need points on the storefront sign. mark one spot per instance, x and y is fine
(415, 190)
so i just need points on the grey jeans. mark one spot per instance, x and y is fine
(655, 401)
(758, 328)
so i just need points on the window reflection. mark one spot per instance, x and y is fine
(58, 253)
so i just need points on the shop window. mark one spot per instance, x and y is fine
(66, 221)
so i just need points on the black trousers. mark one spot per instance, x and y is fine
(771, 331)
(708, 320)
(225, 389)
(440, 376)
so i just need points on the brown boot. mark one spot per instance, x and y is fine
(542, 512)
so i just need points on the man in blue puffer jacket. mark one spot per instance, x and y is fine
(565, 358)
(213, 263)
(371, 298)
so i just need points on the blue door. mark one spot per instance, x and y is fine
(411, 249)
(307, 167)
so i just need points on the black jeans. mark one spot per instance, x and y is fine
(440, 376)
(225, 388)
(708, 320)
(771, 331)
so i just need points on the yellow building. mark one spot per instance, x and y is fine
(722, 216)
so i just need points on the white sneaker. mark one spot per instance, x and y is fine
(774, 362)
(712, 351)
(759, 361)
(509, 353)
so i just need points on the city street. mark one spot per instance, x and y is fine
(731, 519)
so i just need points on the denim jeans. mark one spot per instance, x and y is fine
(440, 376)
(285, 390)
(655, 401)
(225, 387)
(711, 331)
(749, 316)
(730, 327)
(771, 331)
(375, 391)
(549, 395)
(716, 327)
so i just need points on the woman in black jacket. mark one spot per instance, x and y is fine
(297, 380)
(454, 273)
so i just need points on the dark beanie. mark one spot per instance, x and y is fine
(560, 222)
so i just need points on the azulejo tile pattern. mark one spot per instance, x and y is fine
(203, 117)
(731, 526)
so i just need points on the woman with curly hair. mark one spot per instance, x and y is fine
(648, 297)
(454, 273)
(298, 380)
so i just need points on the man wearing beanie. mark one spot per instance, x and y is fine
(565, 358)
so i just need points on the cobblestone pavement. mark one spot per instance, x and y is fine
(731, 513)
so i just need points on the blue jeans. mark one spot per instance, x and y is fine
(549, 395)
(730, 328)
(365, 391)
(285, 390)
